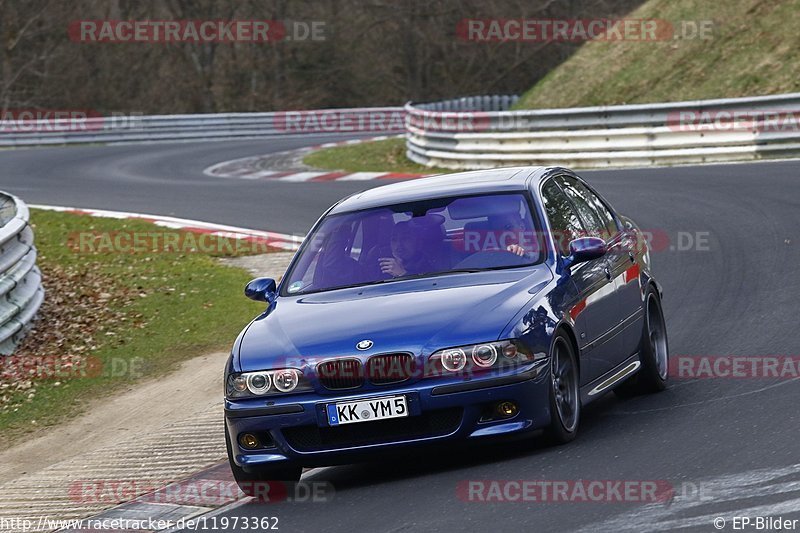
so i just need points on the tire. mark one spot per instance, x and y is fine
(565, 398)
(653, 352)
(263, 483)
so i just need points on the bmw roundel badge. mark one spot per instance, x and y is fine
(366, 344)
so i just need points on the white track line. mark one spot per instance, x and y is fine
(362, 176)
(740, 494)
(302, 176)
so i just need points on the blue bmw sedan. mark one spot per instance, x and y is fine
(454, 308)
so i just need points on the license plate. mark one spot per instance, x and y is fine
(367, 410)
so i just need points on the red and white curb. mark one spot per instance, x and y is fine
(250, 168)
(282, 241)
(328, 176)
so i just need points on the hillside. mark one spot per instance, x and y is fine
(752, 50)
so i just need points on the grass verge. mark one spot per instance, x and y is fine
(372, 156)
(111, 319)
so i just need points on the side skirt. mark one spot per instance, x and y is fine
(613, 377)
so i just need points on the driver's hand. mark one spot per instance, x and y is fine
(392, 266)
(516, 249)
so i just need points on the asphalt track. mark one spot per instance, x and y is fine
(737, 294)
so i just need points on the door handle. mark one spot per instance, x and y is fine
(632, 256)
(607, 272)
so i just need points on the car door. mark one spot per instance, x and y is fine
(596, 312)
(622, 263)
(608, 348)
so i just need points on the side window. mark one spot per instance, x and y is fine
(598, 224)
(601, 208)
(605, 214)
(564, 221)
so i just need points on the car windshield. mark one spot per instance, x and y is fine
(417, 239)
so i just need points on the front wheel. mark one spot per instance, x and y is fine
(565, 401)
(266, 483)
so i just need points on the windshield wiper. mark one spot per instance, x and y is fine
(427, 275)
(401, 278)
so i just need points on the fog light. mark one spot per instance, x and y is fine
(506, 409)
(248, 440)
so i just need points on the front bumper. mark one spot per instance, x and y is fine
(297, 429)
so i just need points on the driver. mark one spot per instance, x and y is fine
(509, 228)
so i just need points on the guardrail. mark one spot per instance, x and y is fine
(21, 292)
(480, 132)
(202, 127)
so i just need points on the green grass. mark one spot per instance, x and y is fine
(373, 156)
(156, 310)
(753, 51)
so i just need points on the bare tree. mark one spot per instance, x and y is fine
(375, 52)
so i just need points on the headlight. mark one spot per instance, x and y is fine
(454, 360)
(258, 383)
(480, 357)
(267, 382)
(484, 355)
(286, 380)
(238, 383)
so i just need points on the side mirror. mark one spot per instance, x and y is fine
(262, 290)
(584, 249)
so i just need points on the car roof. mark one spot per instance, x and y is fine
(458, 184)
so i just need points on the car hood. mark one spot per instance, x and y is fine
(415, 316)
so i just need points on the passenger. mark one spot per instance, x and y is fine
(337, 266)
(415, 248)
